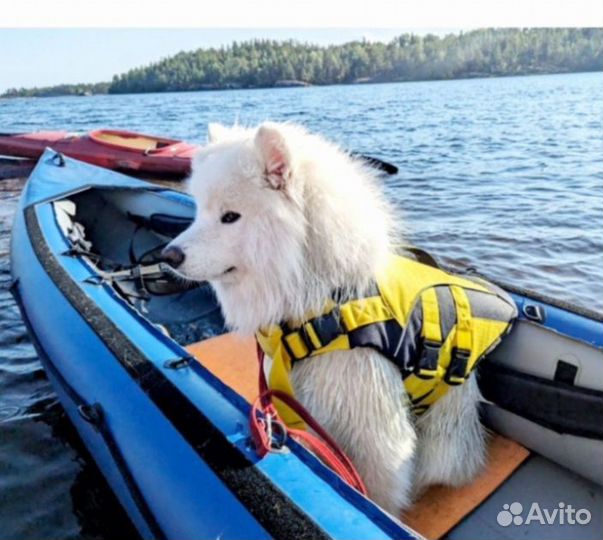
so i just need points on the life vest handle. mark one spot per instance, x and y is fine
(264, 421)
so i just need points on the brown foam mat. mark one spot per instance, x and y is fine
(233, 359)
(441, 508)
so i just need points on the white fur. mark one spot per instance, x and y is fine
(312, 221)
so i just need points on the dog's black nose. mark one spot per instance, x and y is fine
(173, 255)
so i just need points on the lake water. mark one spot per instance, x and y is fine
(502, 174)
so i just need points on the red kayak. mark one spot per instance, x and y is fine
(113, 149)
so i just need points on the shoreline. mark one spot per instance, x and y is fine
(226, 88)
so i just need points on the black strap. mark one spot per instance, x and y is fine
(163, 224)
(328, 327)
(427, 364)
(556, 405)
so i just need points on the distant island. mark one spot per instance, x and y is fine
(266, 63)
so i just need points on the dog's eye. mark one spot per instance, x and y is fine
(229, 217)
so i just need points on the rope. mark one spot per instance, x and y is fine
(269, 432)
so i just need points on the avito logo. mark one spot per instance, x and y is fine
(563, 514)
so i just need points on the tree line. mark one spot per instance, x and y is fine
(80, 89)
(408, 57)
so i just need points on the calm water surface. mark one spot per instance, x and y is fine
(502, 174)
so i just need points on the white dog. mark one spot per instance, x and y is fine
(284, 218)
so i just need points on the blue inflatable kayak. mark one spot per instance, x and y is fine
(111, 325)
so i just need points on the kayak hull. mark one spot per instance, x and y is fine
(172, 158)
(145, 437)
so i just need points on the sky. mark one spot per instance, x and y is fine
(45, 57)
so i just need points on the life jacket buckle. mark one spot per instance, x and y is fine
(290, 347)
(313, 334)
(427, 366)
(456, 373)
(311, 343)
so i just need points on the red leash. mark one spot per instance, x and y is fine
(269, 432)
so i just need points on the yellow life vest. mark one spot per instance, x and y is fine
(435, 326)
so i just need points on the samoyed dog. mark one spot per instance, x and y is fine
(284, 218)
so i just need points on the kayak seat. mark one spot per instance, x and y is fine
(139, 142)
(233, 360)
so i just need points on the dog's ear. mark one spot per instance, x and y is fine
(216, 132)
(271, 144)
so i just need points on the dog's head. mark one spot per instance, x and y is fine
(249, 224)
(283, 218)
